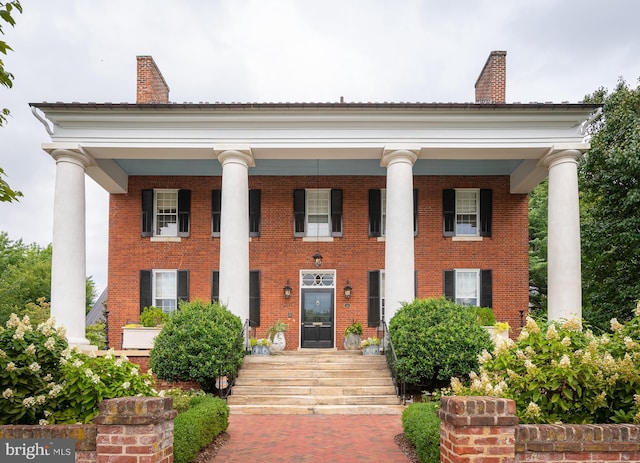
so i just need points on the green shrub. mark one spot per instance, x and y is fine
(182, 399)
(44, 382)
(484, 314)
(558, 372)
(422, 428)
(153, 316)
(196, 428)
(437, 339)
(200, 342)
(97, 334)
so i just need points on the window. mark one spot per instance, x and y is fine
(163, 288)
(469, 286)
(467, 212)
(317, 212)
(254, 212)
(378, 212)
(166, 212)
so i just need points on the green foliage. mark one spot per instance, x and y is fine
(182, 400)
(199, 342)
(278, 327)
(44, 382)
(437, 339)
(153, 316)
(7, 13)
(556, 372)
(97, 335)
(7, 194)
(25, 277)
(355, 328)
(610, 187)
(538, 211)
(196, 428)
(422, 428)
(484, 315)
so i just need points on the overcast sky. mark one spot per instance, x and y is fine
(288, 51)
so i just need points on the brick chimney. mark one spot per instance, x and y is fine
(152, 87)
(491, 86)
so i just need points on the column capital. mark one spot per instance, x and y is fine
(393, 154)
(554, 157)
(75, 156)
(241, 154)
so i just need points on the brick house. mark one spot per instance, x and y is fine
(315, 214)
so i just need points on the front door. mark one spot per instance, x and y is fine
(317, 317)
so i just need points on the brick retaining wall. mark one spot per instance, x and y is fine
(486, 430)
(127, 430)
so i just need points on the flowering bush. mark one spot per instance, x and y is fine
(43, 381)
(558, 372)
(370, 342)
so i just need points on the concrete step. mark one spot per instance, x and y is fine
(281, 380)
(254, 390)
(317, 409)
(257, 399)
(338, 374)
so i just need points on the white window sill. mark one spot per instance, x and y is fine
(323, 239)
(466, 238)
(166, 239)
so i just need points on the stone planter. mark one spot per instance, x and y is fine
(139, 337)
(260, 350)
(279, 342)
(497, 335)
(371, 350)
(352, 341)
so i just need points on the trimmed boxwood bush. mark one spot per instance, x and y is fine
(197, 427)
(422, 428)
(437, 339)
(200, 342)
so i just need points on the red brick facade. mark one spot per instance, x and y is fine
(491, 86)
(280, 257)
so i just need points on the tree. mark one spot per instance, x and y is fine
(538, 211)
(7, 11)
(609, 181)
(25, 277)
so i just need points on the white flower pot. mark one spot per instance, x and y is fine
(279, 342)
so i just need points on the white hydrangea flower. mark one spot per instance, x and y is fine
(572, 324)
(616, 325)
(30, 350)
(134, 371)
(11, 366)
(28, 402)
(552, 333)
(7, 393)
(55, 390)
(524, 335)
(3, 354)
(564, 362)
(533, 410)
(119, 362)
(126, 385)
(35, 366)
(13, 321)
(484, 357)
(50, 344)
(77, 363)
(629, 343)
(566, 341)
(43, 422)
(18, 335)
(41, 399)
(528, 364)
(531, 326)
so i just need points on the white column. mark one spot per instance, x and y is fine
(399, 241)
(564, 274)
(234, 231)
(68, 266)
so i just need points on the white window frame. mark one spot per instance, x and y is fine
(472, 276)
(171, 227)
(317, 201)
(463, 212)
(171, 298)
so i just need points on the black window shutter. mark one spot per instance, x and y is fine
(146, 298)
(415, 212)
(449, 211)
(486, 290)
(147, 212)
(183, 285)
(216, 207)
(336, 212)
(485, 212)
(254, 212)
(215, 285)
(449, 279)
(298, 212)
(375, 213)
(254, 298)
(184, 212)
(374, 298)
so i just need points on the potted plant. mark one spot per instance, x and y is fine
(276, 336)
(371, 346)
(142, 335)
(352, 335)
(260, 346)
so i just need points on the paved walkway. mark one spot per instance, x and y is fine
(312, 438)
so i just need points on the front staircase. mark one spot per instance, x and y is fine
(316, 382)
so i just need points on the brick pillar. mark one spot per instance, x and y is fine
(491, 86)
(135, 430)
(151, 86)
(477, 429)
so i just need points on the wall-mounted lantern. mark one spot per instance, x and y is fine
(287, 290)
(347, 290)
(317, 259)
